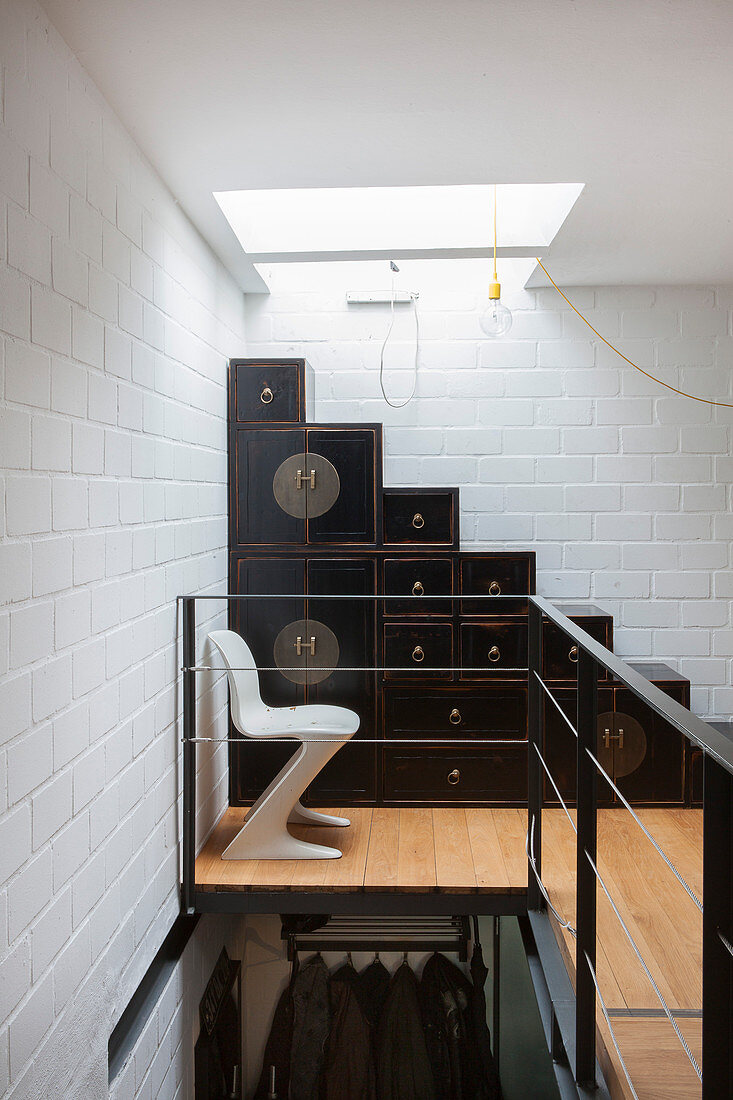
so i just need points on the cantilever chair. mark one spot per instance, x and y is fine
(321, 729)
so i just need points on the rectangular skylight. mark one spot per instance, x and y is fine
(352, 222)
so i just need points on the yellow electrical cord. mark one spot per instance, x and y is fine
(495, 275)
(692, 397)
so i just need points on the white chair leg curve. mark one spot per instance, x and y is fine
(264, 834)
(301, 815)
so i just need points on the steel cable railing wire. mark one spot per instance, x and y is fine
(604, 1010)
(645, 968)
(529, 849)
(557, 792)
(555, 703)
(688, 889)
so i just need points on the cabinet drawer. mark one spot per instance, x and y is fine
(560, 654)
(491, 649)
(418, 578)
(268, 391)
(409, 647)
(447, 775)
(496, 575)
(464, 715)
(429, 516)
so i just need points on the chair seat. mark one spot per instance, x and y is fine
(312, 720)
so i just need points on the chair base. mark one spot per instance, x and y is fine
(301, 815)
(277, 847)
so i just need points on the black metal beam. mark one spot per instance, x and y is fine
(535, 728)
(557, 1006)
(585, 990)
(374, 903)
(189, 754)
(717, 963)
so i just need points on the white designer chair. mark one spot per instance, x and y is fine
(321, 729)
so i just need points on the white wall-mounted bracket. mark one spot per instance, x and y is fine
(369, 297)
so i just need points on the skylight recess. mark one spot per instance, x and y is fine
(319, 224)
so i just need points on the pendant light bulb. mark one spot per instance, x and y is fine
(496, 319)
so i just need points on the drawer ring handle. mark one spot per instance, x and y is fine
(494, 654)
(573, 655)
(266, 396)
(418, 654)
(494, 588)
(417, 589)
(418, 521)
(454, 777)
(455, 717)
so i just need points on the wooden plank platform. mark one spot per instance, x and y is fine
(415, 851)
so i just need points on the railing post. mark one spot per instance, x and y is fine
(585, 991)
(535, 736)
(717, 964)
(189, 753)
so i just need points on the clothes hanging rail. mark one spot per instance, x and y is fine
(405, 934)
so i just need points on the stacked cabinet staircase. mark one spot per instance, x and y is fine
(309, 517)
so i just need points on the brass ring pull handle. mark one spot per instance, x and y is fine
(494, 588)
(266, 396)
(418, 521)
(455, 717)
(573, 655)
(494, 653)
(417, 588)
(454, 777)
(418, 654)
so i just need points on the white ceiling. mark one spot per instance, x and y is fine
(631, 97)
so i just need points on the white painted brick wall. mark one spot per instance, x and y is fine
(622, 488)
(115, 325)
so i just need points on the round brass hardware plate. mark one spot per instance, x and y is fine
(418, 654)
(573, 655)
(306, 651)
(455, 717)
(621, 744)
(494, 653)
(454, 777)
(494, 588)
(306, 485)
(266, 396)
(417, 588)
(418, 521)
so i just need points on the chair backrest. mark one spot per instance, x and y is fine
(244, 682)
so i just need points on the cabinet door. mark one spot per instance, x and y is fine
(351, 519)
(252, 765)
(648, 753)
(257, 518)
(351, 774)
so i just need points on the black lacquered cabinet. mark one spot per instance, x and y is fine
(646, 758)
(440, 685)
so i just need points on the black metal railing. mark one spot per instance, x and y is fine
(579, 1031)
(716, 1072)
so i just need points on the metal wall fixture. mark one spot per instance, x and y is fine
(306, 485)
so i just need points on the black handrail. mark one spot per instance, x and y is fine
(695, 729)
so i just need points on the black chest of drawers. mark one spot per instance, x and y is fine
(432, 678)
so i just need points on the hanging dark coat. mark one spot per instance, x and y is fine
(372, 986)
(403, 1067)
(349, 1072)
(277, 1049)
(311, 1025)
(446, 1000)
